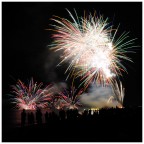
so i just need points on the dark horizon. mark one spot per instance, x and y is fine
(105, 125)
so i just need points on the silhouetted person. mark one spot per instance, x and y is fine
(89, 114)
(32, 118)
(38, 116)
(95, 114)
(46, 117)
(68, 114)
(62, 114)
(75, 114)
(85, 113)
(50, 116)
(23, 117)
(29, 119)
(54, 116)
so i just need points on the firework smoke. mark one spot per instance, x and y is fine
(99, 96)
(51, 60)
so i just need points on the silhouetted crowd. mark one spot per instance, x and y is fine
(49, 116)
(71, 114)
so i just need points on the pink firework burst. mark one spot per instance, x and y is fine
(31, 96)
(69, 99)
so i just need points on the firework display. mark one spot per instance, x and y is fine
(88, 44)
(119, 92)
(32, 96)
(70, 99)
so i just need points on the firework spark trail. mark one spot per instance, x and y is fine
(31, 96)
(88, 44)
(119, 93)
(69, 99)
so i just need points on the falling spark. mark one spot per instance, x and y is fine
(119, 93)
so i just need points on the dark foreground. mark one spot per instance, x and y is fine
(114, 125)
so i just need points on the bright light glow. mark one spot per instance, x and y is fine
(88, 44)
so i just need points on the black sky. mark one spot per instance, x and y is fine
(25, 40)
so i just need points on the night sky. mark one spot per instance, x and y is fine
(25, 40)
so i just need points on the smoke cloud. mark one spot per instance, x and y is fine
(99, 96)
(51, 62)
(59, 87)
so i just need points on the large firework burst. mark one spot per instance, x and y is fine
(88, 44)
(31, 96)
